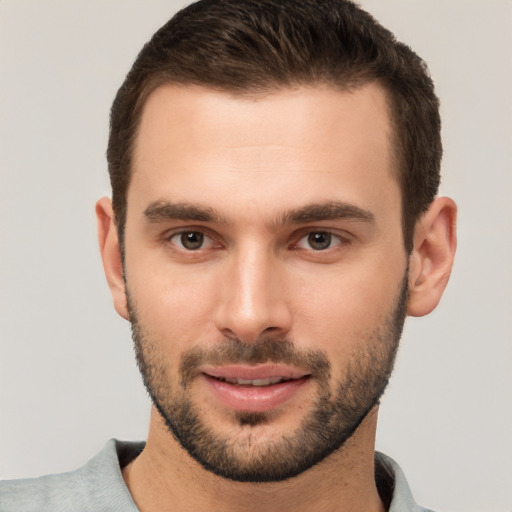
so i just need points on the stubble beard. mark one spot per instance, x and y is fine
(332, 420)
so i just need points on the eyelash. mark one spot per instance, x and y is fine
(332, 239)
(337, 239)
(184, 232)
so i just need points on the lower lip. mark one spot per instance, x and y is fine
(255, 398)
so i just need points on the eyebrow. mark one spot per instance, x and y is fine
(160, 211)
(332, 210)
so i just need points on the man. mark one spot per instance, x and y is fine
(274, 170)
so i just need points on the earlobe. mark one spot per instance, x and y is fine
(111, 254)
(432, 256)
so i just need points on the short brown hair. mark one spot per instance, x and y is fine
(256, 46)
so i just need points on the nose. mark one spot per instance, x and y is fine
(252, 297)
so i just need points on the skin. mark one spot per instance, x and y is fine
(253, 161)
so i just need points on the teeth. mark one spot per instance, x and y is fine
(254, 382)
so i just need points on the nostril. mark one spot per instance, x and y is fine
(228, 333)
(247, 320)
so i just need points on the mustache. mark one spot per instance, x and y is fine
(266, 350)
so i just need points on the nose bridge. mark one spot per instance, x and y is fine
(253, 300)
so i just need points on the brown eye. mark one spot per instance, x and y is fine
(191, 240)
(319, 240)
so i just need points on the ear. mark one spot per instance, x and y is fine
(432, 256)
(111, 254)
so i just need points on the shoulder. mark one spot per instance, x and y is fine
(52, 492)
(393, 486)
(97, 486)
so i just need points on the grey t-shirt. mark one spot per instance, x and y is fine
(99, 486)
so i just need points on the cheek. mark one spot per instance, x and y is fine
(344, 308)
(176, 307)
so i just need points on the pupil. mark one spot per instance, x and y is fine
(319, 241)
(192, 240)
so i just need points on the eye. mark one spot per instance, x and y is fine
(318, 241)
(191, 240)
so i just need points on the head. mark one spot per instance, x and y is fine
(274, 167)
(252, 47)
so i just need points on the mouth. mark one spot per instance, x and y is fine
(254, 388)
(253, 382)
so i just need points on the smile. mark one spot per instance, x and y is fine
(260, 388)
(254, 382)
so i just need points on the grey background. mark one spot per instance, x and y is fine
(67, 377)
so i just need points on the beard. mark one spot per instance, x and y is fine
(338, 409)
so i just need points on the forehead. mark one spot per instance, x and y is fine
(293, 146)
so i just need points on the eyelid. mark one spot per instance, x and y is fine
(343, 238)
(207, 233)
(214, 238)
(206, 241)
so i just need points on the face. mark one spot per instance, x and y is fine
(265, 271)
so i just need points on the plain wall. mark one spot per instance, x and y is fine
(68, 380)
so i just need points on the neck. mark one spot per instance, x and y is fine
(164, 478)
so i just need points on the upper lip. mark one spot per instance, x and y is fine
(256, 372)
